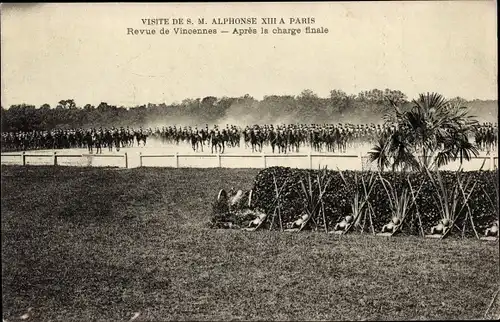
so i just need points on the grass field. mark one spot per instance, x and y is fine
(81, 244)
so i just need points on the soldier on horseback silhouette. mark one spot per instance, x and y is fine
(88, 140)
(116, 138)
(195, 138)
(216, 140)
(97, 139)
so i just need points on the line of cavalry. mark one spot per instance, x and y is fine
(281, 138)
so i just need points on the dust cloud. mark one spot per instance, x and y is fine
(248, 114)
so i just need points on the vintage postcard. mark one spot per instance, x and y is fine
(249, 161)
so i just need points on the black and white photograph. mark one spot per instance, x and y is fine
(250, 161)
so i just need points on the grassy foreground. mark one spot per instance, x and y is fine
(82, 244)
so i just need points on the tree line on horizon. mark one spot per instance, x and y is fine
(307, 107)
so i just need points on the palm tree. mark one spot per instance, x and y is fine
(456, 146)
(391, 150)
(380, 154)
(433, 128)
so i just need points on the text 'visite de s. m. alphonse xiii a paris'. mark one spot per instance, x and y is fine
(229, 25)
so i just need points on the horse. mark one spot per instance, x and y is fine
(329, 139)
(246, 138)
(235, 138)
(196, 141)
(116, 139)
(342, 141)
(89, 141)
(217, 142)
(293, 141)
(204, 134)
(281, 141)
(256, 140)
(129, 138)
(272, 137)
(139, 136)
(97, 139)
(314, 138)
(108, 139)
(225, 138)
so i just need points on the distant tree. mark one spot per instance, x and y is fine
(395, 96)
(103, 106)
(66, 104)
(458, 100)
(307, 94)
(310, 105)
(209, 101)
(338, 101)
(348, 106)
(225, 102)
(337, 95)
(187, 104)
(23, 117)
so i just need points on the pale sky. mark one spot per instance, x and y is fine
(82, 51)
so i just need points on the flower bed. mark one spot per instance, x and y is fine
(337, 200)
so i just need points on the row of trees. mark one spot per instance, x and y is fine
(308, 107)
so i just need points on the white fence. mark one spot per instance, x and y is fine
(255, 160)
(204, 160)
(54, 158)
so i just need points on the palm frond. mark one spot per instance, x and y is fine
(442, 158)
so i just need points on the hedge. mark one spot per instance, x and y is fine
(338, 196)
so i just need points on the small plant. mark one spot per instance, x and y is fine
(451, 201)
(313, 198)
(414, 201)
(360, 200)
(277, 202)
(323, 186)
(400, 200)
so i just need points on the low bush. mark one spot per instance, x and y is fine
(337, 200)
(225, 215)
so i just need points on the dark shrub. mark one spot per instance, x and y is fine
(338, 197)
